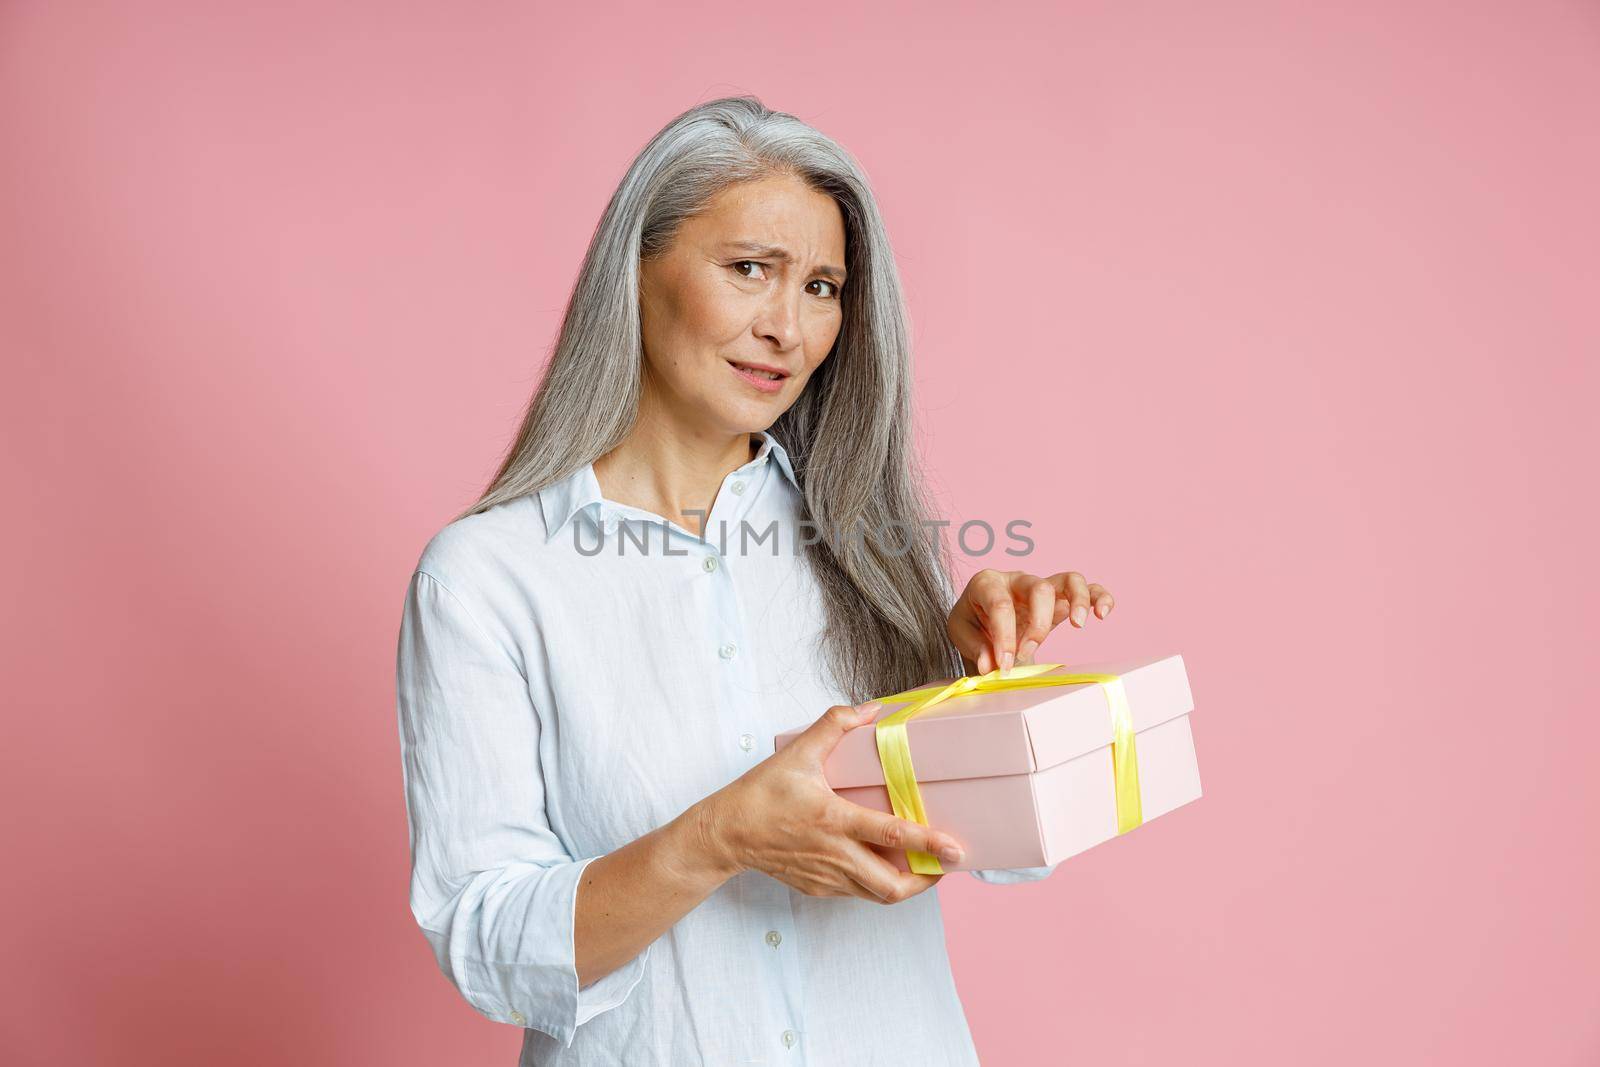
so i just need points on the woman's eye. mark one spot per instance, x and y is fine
(833, 289)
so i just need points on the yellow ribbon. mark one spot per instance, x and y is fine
(894, 747)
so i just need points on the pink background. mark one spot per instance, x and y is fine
(1281, 323)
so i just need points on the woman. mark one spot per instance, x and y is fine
(594, 659)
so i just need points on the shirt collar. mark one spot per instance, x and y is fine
(579, 492)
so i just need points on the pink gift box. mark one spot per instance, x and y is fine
(1023, 777)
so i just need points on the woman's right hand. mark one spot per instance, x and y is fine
(782, 818)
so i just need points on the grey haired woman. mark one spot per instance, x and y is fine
(593, 659)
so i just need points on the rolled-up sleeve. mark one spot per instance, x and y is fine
(493, 889)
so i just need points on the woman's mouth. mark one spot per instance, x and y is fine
(768, 381)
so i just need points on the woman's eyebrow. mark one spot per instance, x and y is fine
(778, 252)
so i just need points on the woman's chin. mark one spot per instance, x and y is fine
(752, 413)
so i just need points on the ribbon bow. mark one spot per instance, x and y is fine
(894, 747)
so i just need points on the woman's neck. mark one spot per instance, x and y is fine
(673, 473)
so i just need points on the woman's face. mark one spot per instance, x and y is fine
(754, 280)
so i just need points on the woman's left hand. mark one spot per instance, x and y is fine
(1002, 616)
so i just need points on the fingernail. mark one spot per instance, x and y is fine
(1027, 649)
(1079, 616)
(1007, 661)
(869, 707)
(951, 854)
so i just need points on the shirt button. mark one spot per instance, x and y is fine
(519, 1018)
(747, 742)
(773, 937)
(710, 564)
(789, 1038)
(728, 650)
(737, 487)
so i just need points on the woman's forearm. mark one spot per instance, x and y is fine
(632, 895)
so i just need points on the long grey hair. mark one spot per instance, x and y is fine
(849, 433)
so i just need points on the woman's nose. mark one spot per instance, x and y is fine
(780, 319)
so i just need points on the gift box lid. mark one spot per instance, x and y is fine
(1015, 731)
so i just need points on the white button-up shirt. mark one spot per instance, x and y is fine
(575, 672)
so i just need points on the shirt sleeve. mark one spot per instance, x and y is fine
(492, 887)
(1012, 875)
